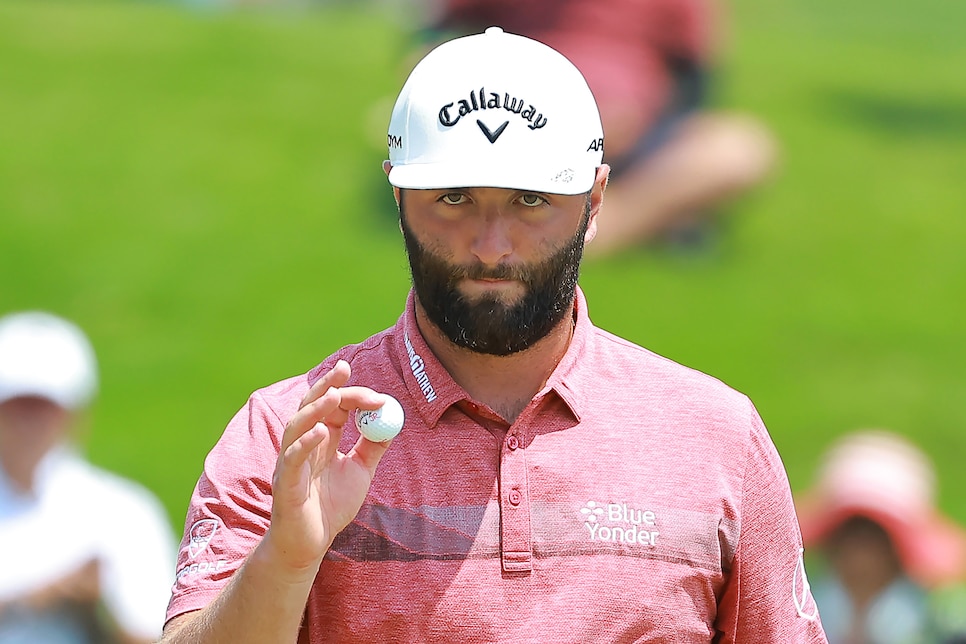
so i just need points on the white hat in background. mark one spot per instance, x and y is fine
(46, 356)
(495, 110)
(884, 477)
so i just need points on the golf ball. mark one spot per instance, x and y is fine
(379, 425)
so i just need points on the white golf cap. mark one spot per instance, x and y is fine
(46, 356)
(495, 110)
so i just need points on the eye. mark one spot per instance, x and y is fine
(453, 198)
(532, 200)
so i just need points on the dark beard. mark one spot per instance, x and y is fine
(488, 325)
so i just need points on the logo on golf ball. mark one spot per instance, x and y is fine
(381, 424)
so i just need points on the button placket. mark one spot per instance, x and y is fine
(516, 541)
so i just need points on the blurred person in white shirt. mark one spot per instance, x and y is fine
(87, 556)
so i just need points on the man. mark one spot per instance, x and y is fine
(552, 482)
(85, 555)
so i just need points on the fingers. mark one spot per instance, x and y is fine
(319, 426)
(317, 403)
(353, 398)
(323, 411)
(296, 454)
(329, 402)
(311, 413)
(337, 376)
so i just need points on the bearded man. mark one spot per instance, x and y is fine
(552, 482)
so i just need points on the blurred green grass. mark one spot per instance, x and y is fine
(202, 192)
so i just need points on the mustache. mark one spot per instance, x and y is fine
(480, 271)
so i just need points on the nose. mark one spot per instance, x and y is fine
(492, 242)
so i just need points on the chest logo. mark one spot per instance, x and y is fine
(620, 523)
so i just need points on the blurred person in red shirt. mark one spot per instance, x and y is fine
(674, 161)
(893, 564)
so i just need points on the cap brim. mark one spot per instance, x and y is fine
(433, 176)
(38, 390)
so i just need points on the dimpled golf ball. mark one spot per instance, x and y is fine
(379, 425)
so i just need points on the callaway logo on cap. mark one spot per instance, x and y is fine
(495, 110)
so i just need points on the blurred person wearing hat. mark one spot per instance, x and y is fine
(892, 560)
(85, 555)
(552, 482)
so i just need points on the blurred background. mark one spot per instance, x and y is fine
(198, 186)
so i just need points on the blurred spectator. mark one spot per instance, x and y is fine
(648, 62)
(85, 555)
(891, 560)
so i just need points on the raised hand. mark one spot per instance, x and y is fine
(318, 490)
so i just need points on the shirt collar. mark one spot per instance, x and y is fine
(430, 386)
(566, 376)
(433, 389)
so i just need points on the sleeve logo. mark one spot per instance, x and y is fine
(199, 536)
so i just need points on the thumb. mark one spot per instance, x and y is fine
(368, 453)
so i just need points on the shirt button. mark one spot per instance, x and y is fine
(514, 497)
(512, 442)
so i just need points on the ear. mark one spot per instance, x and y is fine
(596, 200)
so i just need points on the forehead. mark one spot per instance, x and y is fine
(32, 405)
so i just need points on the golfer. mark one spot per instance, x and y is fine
(552, 482)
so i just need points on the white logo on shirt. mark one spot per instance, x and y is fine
(619, 523)
(199, 536)
(419, 371)
(802, 590)
(204, 567)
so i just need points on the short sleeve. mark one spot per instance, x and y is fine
(230, 507)
(767, 597)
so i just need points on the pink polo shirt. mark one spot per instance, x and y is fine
(634, 499)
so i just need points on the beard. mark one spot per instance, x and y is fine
(487, 324)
